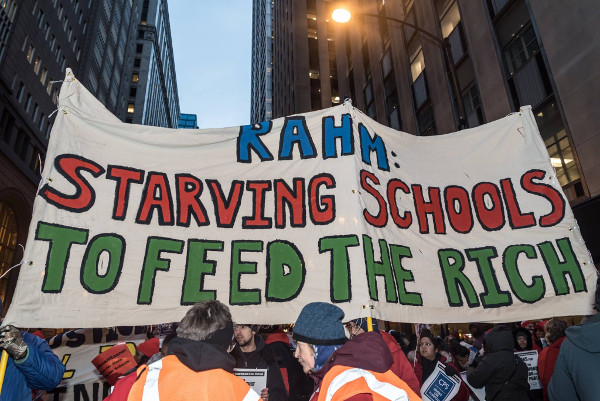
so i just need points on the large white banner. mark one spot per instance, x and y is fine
(133, 224)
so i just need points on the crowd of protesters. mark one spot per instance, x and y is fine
(325, 356)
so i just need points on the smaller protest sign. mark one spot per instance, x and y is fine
(531, 360)
(477, 394)
(439, 386)
(256, 378)
(114, 362)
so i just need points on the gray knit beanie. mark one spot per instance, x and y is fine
(320, 323)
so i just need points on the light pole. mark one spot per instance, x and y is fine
(342, 15)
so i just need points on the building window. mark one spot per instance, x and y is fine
(40, 18)
(139, 48)
(559, 148)
(30, 53)
(135, 77)
(369, 100)
(36, 110)
(472, 104)
(137, 62)
(44, 75)
(521, 49)
(132, 91)
(28, 102)
(20, 91)
(417, 70)
(41, 126)
(130, 108)
(8, 242)
(426, 120)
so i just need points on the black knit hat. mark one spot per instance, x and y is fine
(320, 323)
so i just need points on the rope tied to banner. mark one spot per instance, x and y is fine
(58, 99)
(18, 264)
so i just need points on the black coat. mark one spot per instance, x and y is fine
(503, 374)
(262, 358)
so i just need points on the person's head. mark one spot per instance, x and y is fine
(555, 329)
(475, 329)
(164, 349)
(319, 324)
(208, 321)
(244, 334)
(460, 354)
(538, 331)
(528, 324)
(428, 345)
(522, 338)
(359, 326)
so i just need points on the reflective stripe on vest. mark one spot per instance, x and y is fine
(151, 386)
(384, 389)
(169, 375)
(251, 396)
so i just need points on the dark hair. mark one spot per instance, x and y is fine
(555, 329)
(169, 337)
(459, 350)
(434, 339)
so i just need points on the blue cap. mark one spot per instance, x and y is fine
(320, 323)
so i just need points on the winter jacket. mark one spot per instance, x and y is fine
(463, 391)
(546, 362)
(193, 370)
(577, 368)
(401, 367)
(298, 384)
(503, 374)
(262, 358)
(368, 352)
(40, 369)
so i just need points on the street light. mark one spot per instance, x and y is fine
(342, 15)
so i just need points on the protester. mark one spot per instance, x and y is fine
(462, 355)
(522, 339)
(164, 348)
(555, 335)
(323, 352)
(427, 359)
(31, 365)
(197, 367)
(251, 353)
(577, 368)
(528, 328)
(539, 334)
(401, 367)
(299, 386)
(477, 335)
(146, 350)
(503, 374)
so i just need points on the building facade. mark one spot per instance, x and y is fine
(153, 97)
(261, 99)
(503, 54)
(100, 41)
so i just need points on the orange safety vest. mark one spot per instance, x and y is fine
(169, 379)
(343, 382)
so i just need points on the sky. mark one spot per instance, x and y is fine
(212, 42)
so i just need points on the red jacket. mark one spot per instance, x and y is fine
(401, 367)
(546, 362)
(463, 391)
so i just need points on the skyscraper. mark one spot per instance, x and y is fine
(104, 43)
(505, 53)
(153, 96)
